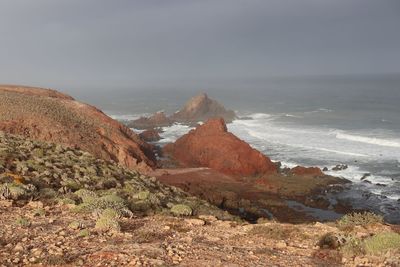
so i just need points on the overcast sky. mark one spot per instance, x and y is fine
(153, 42)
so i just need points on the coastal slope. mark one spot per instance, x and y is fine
(48, 115)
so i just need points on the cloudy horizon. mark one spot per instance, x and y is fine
(153, 43)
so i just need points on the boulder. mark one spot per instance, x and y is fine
(150, 135)
(211, 145)
(340, 167)
(202, 108)
(48, 115)
(306, 171)
(158, 119)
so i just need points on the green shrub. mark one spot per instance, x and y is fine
(66, 201)
(143, 195)
(15, 191)
(354, 246)
(382, 242)
(23, 222)
(108, 221)
(86, 195)
(362, 218)
(181, 210)
(84, 233)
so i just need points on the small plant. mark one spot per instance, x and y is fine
(97, 205)
(84, 233)
(108, 221)
(181, 210)
(143, 195)
(12, 191)
(23, 222)
(353, 246)
(86, 195)
(75, 225)
(382, 242)
(48, 193)
(362, 219)
(66, 201)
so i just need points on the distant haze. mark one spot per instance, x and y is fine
(86, 44)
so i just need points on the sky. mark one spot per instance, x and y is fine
(122, 43)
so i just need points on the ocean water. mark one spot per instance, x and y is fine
(324, 121)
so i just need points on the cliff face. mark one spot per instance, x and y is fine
(211, 145)
(48, 115)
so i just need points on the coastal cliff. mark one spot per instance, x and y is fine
(48, 115)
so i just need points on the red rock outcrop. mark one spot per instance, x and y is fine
(211, 145)
(48, 115)
(150, 135)
(304, 171)
(158, 119)
(202, 108)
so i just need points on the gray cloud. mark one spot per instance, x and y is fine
(145, 43)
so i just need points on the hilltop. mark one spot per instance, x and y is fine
(48, 115)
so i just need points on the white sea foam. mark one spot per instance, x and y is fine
(369, 140)
(171, 133)
(127, 117)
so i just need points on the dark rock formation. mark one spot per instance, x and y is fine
(150, 135)
(202, 108)
(211, 145)
(340, 167)
(158, 119)
(47, 115)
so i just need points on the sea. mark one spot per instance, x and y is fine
(311, 121)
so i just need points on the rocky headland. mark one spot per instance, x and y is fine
(236, 177)
(197, 109)
(47, 115)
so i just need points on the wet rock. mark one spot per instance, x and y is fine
(366, 175)
(340, 167)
